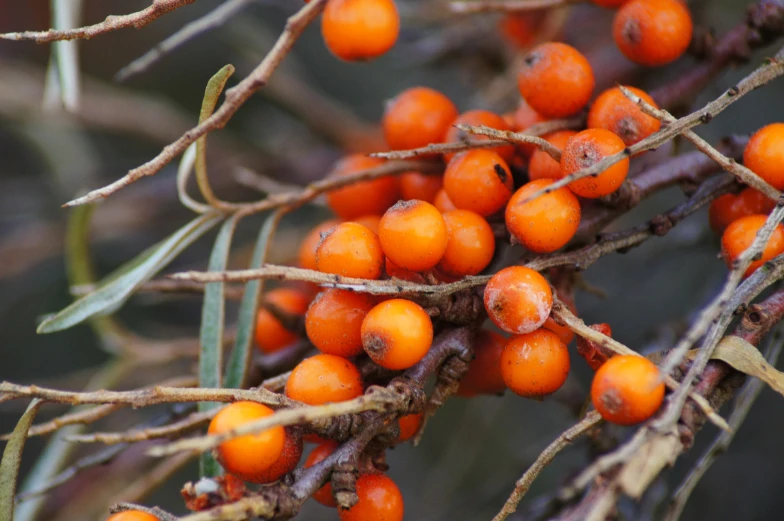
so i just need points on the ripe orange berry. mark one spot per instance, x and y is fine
(409, 426)
(443, 202)
(522, 119)
(317, 455)
(355, 30)
(371, 222)
(652, 32)
(366, 197)
(615, 112)
(518, 299)
(414, 185)
(476, 118)
(484, 372)
(535, 364)
(764, 154)
(588, 148)
(351, 250)
(546, 223)
(324, 379)
(470, 246)
(270, 333)
(395, 271)
(739, 236)
(307, 248)
(728, 208)
(397, 333)
(564, 333)
(416, 118)
(247, 456)
(520, 29)
(556, 80)
(288, 459)
(478, 180)
(379, 500)
(334, 319)
(627, 389)
(542, 165)
(413, 235)
(132, 515)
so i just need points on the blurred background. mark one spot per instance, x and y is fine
(316, 109)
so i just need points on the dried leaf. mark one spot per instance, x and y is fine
(12, 457)
(655, 455)
(746, 358)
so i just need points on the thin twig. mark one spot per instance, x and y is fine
(484, 6)
(513, 137)
(187, 424)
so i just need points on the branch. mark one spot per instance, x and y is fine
(484, 6)
(513, 137)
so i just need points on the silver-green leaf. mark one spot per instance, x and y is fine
(12, 457)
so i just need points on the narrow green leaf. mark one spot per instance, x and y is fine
(239, 359)
(115, 289)
(12, 457)
(211, 95)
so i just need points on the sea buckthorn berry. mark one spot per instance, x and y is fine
(609, 4)
(415, 185)
(271, 335)
(739, 236)
(556, 80)
(728, 208)
(520, 29)
(518, 299)
(535, 364)
(652, 32)
(288, 459)
(413, 235)
(470, 245)
(615, 112)
(564, 333)
(484, 371)
(627, 389)
(478, 180)
(379, 500)
(442, 202)
(588, 148)
(764, 154)
(523, 118)
(397, 333)
(355, 30)
(132, 515)
(593, 353)
(317, 455)
(366, 197)
(371, 222)
(476, 118)
(546, 223)
(250, 455)
(542, 165)
(324, 379)
(409, 426)
(416, 118)
(334, 320)
(351, 250)
(307, 248)
(395, 271)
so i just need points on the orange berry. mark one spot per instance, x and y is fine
(522, 119)
(535, 364)
(379, 500)
(764, 154)
(739, 236)
(520, 29)
(593, 353)
(288, 459)
(247, 456)
(351, 250)
(307, 248)
(588, 148)
(476, 118)
(409, 426)
(518, 299)
(615, 112)
(357, 30)
(132, 515)
(470, 246)
(484, 372)
(416, 118)
(270, 333)
(324, 379)
(371, 222)
(365, 197)
(317, 455)
(609, 4)
(542, 164)
(546, 223)
(564, 333)
(478, 180)
(334, 320)
(397, 333)
(395, 271)
(556, 80)
(728, 208)
(627, 389)
(413, 235)
(414, 185)
(652, 32)
(443, 202)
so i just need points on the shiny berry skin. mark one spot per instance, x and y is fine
(414, 185)
(371, 222)
(307, 248)
(366, 197)
(132, 515)
(416, 118)
(478, 180)
(535, 364)
(317, 455)
(615, 112)
(409, 426)
(397, 333)
(413, 235)
(739, 236)
(351, 250)
(443, 202)
(271, 336)
(545, 223)
(542, 165)
(652, 32)
(476, 118)
(764, 154)
(358, 30)
(518, 299)
(334, 319)
(248, 456)
(556, 80)
(470, 245)
(484, 371)
(728, 208)
(324, 379)
(627, 389)
(379, 500)
(587, 148)
(287, 461)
